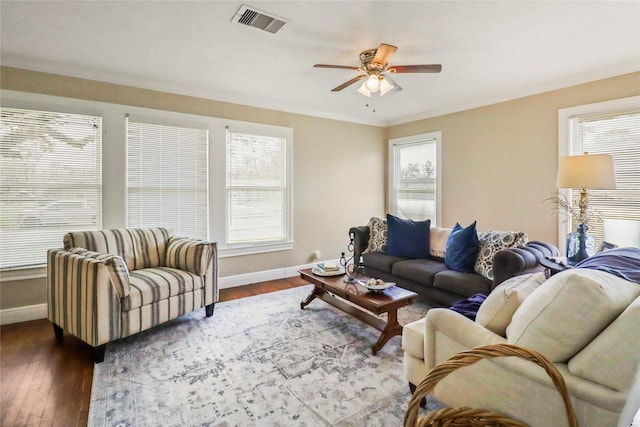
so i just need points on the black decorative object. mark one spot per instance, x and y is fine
(352, 269)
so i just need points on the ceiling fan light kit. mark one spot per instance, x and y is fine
(374, 63)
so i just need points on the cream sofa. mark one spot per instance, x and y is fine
(109, 284)
(584, 321)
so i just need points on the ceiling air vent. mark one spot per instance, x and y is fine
(258, 19)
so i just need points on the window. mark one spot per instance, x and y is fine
(50, 181)
(167, 178)
(606, 128)
(257, 186)
(414, 175)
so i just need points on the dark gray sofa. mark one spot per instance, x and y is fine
(434, 282)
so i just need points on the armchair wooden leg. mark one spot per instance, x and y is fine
(58, 331)
(209, 310)
(423, 402)
(98, 353)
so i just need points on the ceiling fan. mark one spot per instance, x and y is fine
(376, 69)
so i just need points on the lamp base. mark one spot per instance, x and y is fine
(580, 245)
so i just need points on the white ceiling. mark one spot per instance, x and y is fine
(490, 51)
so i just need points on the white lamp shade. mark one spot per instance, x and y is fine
(385, 86)
(587, 170)
(363, 90)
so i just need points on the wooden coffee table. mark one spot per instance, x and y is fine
(333, 290)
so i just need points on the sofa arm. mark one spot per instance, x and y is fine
(525, 259)
(82, 298)
(116, 267)
(360, 236)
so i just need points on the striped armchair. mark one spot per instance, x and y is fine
(109, 284)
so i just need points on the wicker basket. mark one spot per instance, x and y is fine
(458, 417)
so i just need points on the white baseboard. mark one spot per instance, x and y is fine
(39, 311)
(23, 314)
(262, 276)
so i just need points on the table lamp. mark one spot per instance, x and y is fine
(587, 171)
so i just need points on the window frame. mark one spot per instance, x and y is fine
(564, 145)
(114, 158)
(23, 272)
(392, 163)
(247, 248)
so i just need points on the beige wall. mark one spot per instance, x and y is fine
(499, 162)
(324, 175)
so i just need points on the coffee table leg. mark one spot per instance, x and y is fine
(392, 329)
(314, 293)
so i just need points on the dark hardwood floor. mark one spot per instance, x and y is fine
(48, 383)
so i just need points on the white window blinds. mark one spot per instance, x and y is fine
(617, 134)
(257, 198)
(50, 181)
(167, 178)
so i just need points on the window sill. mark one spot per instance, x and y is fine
(40, 272)
(26, 273)
(254, 249)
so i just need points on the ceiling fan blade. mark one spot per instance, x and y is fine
(343, 67)
(349, 83)
(426, 68)
(383, 53)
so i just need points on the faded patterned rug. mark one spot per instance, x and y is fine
(259, 361)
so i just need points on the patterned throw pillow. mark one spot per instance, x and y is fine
(491, 242)
(378, 233)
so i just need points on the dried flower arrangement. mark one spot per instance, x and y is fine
(577, 210)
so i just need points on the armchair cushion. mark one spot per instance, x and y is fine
(138, 247)
(568, 311)
(116, 267)
(151, 285)
(613, 354)
(189, 254)
(496, 311)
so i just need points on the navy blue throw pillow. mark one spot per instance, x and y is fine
(407, 238)
(462, 248)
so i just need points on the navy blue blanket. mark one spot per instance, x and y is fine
(622, 262)
(469, 307)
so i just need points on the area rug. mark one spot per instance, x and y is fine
(259, 361)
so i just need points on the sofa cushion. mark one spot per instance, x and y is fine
(138, 247)
(150, 285)
(496, 312)
(492, 242)
(380, 261)
(121, 242)
(568, 311)
(377, 235)
(407, 238)
(462, 248)
(413, 338)
(153, 245)
(617, 346)
(421, 271)
(465, 284)
(438, 237)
